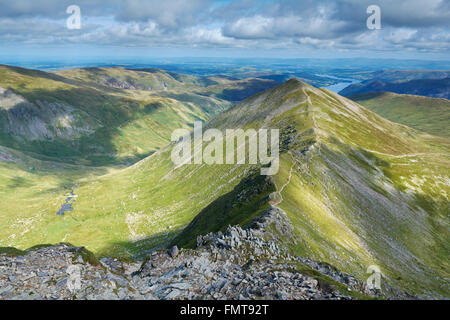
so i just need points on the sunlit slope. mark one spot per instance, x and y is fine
(129, 212)
(431, 115)
(358, 189)
(31, 193)
(370, 192)
(71, 120)
(47, 121)
(146, 204)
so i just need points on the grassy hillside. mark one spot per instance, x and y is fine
(58, 131)
(102, 116)
(429, 115)
(358, 189)
(73, 121)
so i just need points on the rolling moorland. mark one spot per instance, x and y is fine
(357, 189)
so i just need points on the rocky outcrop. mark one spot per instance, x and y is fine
(123, 84)
(237, 264)
(8, 99)
(42, 120)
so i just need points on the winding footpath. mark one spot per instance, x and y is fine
(279, 192)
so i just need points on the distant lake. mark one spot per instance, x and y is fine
(340, 85)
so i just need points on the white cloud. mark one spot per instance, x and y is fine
(400, 35)
(168, 14)
(256, 27)
(325, 24)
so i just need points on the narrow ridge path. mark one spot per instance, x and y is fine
(276, 203)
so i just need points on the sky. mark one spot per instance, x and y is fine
(414, 29)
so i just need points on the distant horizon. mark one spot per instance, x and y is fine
(64, 63)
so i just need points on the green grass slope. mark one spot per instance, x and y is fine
(62, 130)
(358, 189)
(431, 115)
(74, 121)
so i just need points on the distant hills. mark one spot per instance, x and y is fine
(407, 75)
(437, 88)
(107, 115)
(431, 115)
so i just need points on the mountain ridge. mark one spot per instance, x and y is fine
(434, 88)
(358, 190)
